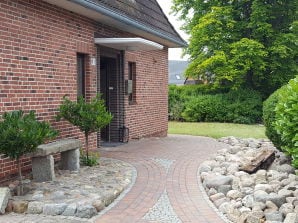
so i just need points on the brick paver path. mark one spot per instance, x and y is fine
(166, 168)
(164, 164)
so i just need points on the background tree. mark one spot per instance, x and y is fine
(247, 43)
(88, 116)
(22, 133)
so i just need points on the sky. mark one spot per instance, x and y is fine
(174, 53)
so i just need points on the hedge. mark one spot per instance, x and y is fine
(197, 104)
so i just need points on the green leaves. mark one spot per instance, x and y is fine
(22, 133)
(287, 119)
(247, 43)
(89, 117)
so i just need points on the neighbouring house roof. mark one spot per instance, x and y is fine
(144, 18)
(176, 71)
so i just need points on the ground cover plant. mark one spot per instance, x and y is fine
(217, 130)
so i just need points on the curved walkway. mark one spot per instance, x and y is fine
(166, 188)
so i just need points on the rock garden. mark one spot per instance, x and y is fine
(80, 194)
(268, 195)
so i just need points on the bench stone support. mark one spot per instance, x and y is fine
(70, 160)
(43, 168)
(43, 161)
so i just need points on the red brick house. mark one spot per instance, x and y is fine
(119, 48)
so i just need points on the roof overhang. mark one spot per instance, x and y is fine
(128, 44)
(104, 15)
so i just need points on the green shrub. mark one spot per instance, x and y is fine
(287, 119)
(242, 106)
(88, 116)
(180, 95)
(22, 133)
(204, 108)
(269, 118)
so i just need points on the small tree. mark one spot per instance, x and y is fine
(89, 117)
(20, 134)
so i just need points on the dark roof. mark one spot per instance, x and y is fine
(146, 12)
(176, 71)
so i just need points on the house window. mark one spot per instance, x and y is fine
(132, 82)
(81, 58)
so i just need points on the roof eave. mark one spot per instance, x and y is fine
(123, 21)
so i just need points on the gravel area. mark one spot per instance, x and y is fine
(162, 211)
(265, 196)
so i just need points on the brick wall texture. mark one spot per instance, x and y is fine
(39, 43)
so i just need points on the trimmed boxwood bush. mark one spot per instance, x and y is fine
(287, 119)
(269, 118)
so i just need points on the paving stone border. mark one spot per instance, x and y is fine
(76, 195)
(265, 196)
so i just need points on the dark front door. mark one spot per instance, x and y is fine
(108, 90)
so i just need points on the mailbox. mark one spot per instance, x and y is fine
(128, 86)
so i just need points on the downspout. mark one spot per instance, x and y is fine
(101, 9)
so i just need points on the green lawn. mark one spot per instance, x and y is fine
(217, 130)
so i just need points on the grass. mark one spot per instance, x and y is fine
(217, 130)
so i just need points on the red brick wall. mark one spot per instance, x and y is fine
(38, 47)
(149, 115)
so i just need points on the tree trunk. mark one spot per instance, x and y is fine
(20, 175)
(87, 145)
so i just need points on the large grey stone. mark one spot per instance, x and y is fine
(285, 193)
(35, 207)
(286, 208)
(86, 211)
(70, 210)
(276, 199)
(291, 218)
(54, 209)
(248, 201)
(70, 160)
(4, 196)
(260, 196)
(286, 168)
(274, 216)
(43, 168)
(58, 146)
(224, 189)
(216, 181)
(255, 217)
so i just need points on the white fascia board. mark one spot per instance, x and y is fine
(129, 44)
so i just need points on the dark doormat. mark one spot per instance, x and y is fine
(112, 144)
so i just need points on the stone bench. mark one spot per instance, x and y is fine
(43, 161)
